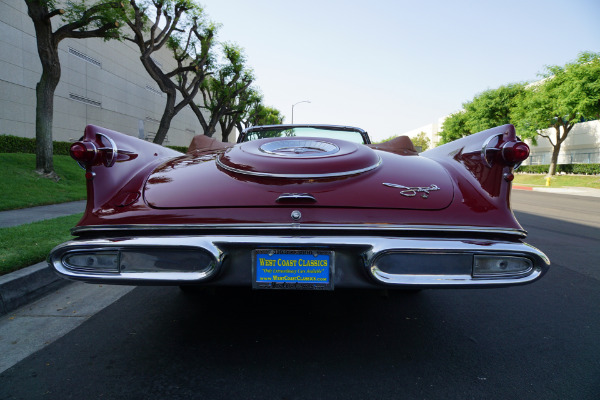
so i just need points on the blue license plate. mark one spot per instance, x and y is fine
(293, 269)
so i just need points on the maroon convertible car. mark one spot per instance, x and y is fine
(300, 207)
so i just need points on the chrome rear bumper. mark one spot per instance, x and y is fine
(359, 260)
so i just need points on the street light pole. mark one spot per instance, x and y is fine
(293, 105)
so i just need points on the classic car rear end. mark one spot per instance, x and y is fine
(300, 207)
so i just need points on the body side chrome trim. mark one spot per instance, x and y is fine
(466, 229)
(450, 280)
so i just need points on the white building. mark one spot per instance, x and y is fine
(102, 83)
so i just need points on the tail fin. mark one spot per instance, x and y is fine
(490, 156)
(113, 163)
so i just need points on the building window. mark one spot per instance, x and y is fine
(85, 57)
(155, 91)
(85, 100)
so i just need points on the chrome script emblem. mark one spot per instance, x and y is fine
(412, 191)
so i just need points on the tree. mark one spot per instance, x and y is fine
(567, 95)
(186, 32)
(454, 127)
(79, 21)
(221, 92)
(487, 110)
(244, 102)
(263, 115)
(255, 113)
(422, 141)
(493, 107)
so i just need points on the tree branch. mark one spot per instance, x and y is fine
(156, 21)
(166, 33)
(88, 16)
(100, 32)
(54, 13)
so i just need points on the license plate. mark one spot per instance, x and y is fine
(292, 269)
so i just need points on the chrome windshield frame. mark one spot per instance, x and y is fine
(342, 128)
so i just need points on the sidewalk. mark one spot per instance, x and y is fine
(40, 213)
(27, 284)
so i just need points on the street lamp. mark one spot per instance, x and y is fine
(293, 105)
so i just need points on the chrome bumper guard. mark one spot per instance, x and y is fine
(364, 260)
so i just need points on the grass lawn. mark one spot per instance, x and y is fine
(25, 245)
(22, 187)
(591, 181)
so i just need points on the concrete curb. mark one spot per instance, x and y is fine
(522, 187)
(25, 285)
(570, 190)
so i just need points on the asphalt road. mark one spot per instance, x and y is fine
(540, 341)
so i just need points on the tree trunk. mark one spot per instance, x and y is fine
(226, 129)
(200, 117)
(165, 121)
(44, 116)
(554, 161)
(44, 111)
(556, 146)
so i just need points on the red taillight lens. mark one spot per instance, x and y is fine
(515, 152)
(83, 152)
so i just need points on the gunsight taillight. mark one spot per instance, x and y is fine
(103, 151)
(85, 153)
(515, 152)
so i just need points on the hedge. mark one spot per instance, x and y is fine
(17, 144)
(579, 169)
(181, 149)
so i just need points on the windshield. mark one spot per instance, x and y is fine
(319, 132)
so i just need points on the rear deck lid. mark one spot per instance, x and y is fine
(355, 176)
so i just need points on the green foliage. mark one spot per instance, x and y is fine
(42, 237)
(565, 96)
(22, 187)
(231, 78)
(421, 140)
(264, 115)
(454, 127)
(580, 169)
(95, 15)
(493, 107)
(181, 149)
(487, 110)
(191, 40)
(16, 144)
(386, 139)
(534, 169)
(227, 94)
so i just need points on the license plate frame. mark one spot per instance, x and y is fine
(292, 269)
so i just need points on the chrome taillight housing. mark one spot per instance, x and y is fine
(85, 153)
(88, 153)
(490, 266)
(515, 152)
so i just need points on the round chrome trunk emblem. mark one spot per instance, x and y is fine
(296, 215)
(299, 148)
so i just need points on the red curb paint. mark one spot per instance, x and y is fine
(522, 187)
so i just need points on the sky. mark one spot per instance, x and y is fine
(393, 66)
